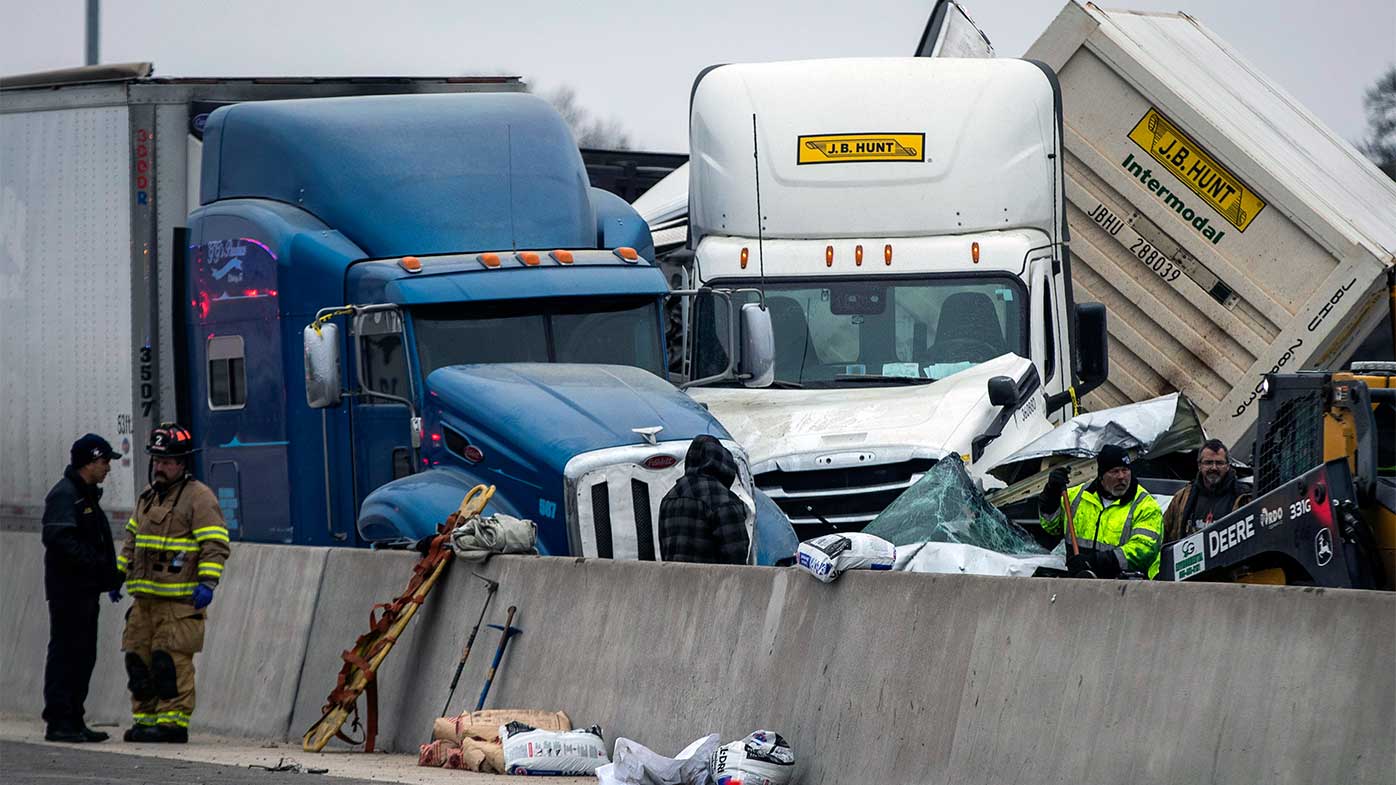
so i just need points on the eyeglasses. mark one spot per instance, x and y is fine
(1215, 464)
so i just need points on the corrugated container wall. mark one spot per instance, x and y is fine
(63, 197)
(1226, 229)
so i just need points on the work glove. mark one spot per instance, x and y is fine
(1051, 497)
(1101, 564)
(203, 595)
(118, 579)
(1079, 566)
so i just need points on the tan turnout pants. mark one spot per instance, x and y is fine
(165, 634)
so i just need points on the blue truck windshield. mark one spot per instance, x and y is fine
(836, 332)
(616, 331)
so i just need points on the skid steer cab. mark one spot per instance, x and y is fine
(1325, 479)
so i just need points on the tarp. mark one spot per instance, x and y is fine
(1158, 426)
(957, 558)
(1148, 429)
(946, 506)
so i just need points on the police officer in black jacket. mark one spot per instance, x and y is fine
(79, 565)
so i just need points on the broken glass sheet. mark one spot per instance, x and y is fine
(946, 506)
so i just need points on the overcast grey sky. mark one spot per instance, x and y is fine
(636, 61)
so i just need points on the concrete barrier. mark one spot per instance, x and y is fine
(23, 647)
(254, 645)
(354, 581)
(886, 678)
(895, 678)
(255, 640)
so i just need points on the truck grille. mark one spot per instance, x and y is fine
(847, 499)
(613, 499)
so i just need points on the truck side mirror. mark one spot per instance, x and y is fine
(322, 388)
(757, 364)
(1003, 391)
(1092, 346)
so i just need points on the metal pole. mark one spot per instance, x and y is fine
(94, 16)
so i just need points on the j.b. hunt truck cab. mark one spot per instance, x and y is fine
(911, 244)
(502, 325)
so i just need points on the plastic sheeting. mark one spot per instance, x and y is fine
(955, 558)
(1158, 426)
(946, 506)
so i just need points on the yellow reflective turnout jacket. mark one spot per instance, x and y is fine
(174, 542)
(1132, 528)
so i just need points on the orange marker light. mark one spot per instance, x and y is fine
(974, 252)
(490, 260)
(561, 257)
(858, 255)
(887, 254)
(529, 258)
(411, 264)
(627, 254)
(828, 256)
(744, 255)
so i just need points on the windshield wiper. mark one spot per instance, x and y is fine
(777, 383)
(866, 378)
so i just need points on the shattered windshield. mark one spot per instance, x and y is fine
(847, 332)
(615, 331)
(945, 506)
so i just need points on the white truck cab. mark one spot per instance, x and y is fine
(903, 219)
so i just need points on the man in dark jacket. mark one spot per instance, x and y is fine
(700, 518)
(1212, 495)
(79, 564)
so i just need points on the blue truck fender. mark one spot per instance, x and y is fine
(410, 508)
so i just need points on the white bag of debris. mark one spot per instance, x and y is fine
(957, 558)
(528, 750)
(762, 758)
(828, 557)
(481, 537)
(636, 764)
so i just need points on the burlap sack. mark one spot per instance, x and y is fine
(484, 725)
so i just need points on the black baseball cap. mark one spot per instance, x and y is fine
(88, 448)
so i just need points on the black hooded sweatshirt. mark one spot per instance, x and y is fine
(700, 518)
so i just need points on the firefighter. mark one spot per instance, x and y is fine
(176, 546)
(1118, 524)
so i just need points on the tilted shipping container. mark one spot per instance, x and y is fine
(1227, 230)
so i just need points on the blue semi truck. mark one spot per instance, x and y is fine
(380, 301)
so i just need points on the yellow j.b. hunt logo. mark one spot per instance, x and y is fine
(850, 148)
(1198, 170)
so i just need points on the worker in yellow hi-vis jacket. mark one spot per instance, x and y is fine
(176, 546)
(1118, 524)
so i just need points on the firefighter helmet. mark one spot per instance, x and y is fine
(170, 440)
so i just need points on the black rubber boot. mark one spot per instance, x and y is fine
(172, 734)
(142, 734)
(138, 679)
(162, 671)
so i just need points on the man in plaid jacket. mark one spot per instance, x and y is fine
(700, 518)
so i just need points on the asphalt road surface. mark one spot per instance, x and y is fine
(46, 764)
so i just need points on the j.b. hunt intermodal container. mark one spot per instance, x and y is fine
(1226, 229)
